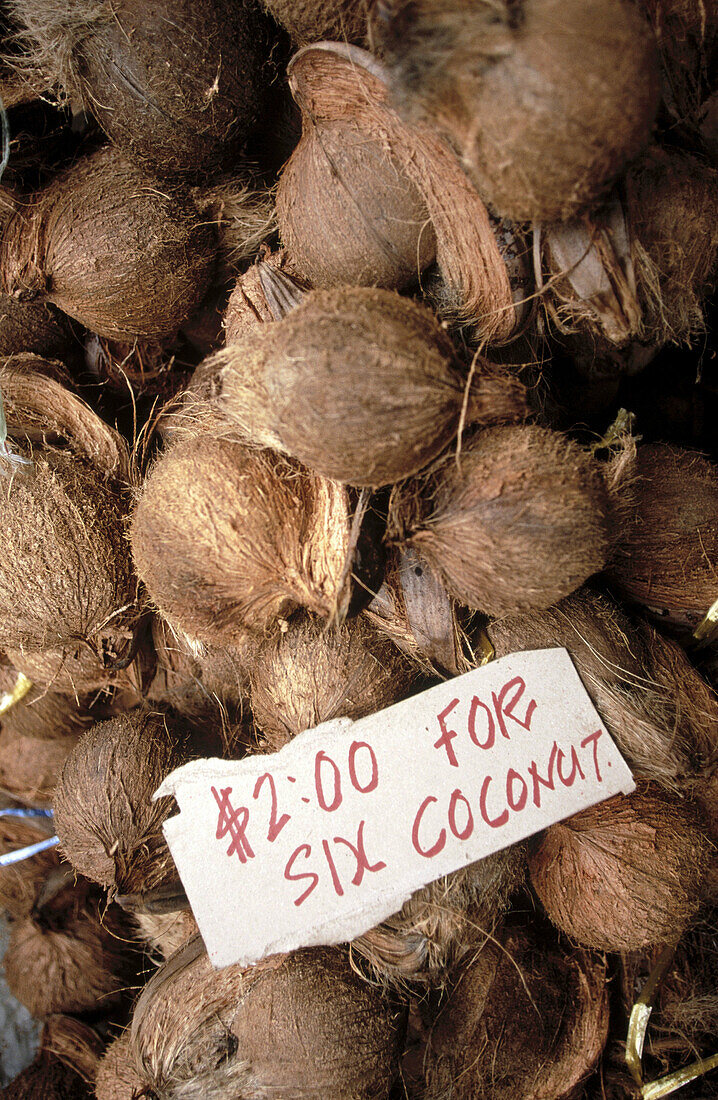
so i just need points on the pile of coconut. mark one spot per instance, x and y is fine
(347, 346)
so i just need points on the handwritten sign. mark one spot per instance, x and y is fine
(321, 841)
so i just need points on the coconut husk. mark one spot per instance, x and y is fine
(293, 386)
(626, 873)
(109, 827)
(309, 675)
(138, 369)
(317, 20)
(105, 245)
(229, 539)
(117, 1078)
(526, 1018)
(47, 1078)
(177, 665)
(74, 1043)
(266, 292)
(342, 86)
(33, 327)
(546, 102)
(21, 882)
(300, 1024)
(40, 713)
(30, 766)
(165, 933)
(173, 104)
(685, 32)
(115, 661)
(517, 521)
(243, 216)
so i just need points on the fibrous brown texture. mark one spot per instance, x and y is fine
(33, 327)
(176, 84)
(515, 522)
(20, 882)
(320, 20)
(41, 713)
(228, 538)
(526, 1019)
(294, 1025)
(110, 248)
(666, 555)
(310, 675)
(79, 667)
(243, 217)
(109, 827)
(48, 1078)
(30, 765)
(251, 305)
(359, 384)
(165, 933)
(625, 873)
(117, 1078)
(546, 99)
(74, 1043)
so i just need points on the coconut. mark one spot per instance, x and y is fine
(178, 85)
(300, 1024)
(117, 1078)
(74, 1043)
(625, 873)
(30, 766)
(115, 661)
(516, 522)
(228, 538)
(39, 713)
(310, 675)
(316, 20)
(546, 101)
(243, 216)
(33, 327)
(108, 247)
(165, 933)
(48, 1078)
(526, 1018)
(293, 386)
(20, 882)
(266, 292)
(109, 827)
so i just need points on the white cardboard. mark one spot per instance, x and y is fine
(539, 753)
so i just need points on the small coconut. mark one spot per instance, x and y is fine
(177, 85)
(526, 1018)
(117, 1078)
(310, 675)
(517, 521)
(317, 20)
(21, 882)
(546, 101)
(293, 1025)
(165, 933)
(108, 247)
(229, 539)
(109, 827)
(33, 327)
(30, 766)
(625, 873)
(294, 386)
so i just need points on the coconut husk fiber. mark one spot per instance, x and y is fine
(21, 882)
(33, 327)
(165, 933)
(626, 873)
(108, 247)
(80, 667)
(266, 292)
(546, 99)
(109, 827)
(243, 216)
(76, 1044)
(40, 713)
(293, 1025)
(228, 538)
(117, 1078)
(358, 384)
(309, 675)
(342, 90)
(526, 1018)
(177, 85)
(48, 1078)
(30, 766)
(516, 521)
(319, 20)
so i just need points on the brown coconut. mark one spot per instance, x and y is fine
(293, 1025)
(243, 216)
(517, 521)
(266, 292)
(526, 1018)
(21, 882)
(165, 933)
(39, 713)
(229, 539)
(33, 327)
(317, 20)
(308, 675)
(48, 1078)
(117, 1078)
(546, 100)
(108, 247)
(358, 384)
(74, 1043)
(109, 827)
(177, 85)
(31, 766)
(114, 662)
(625, 873)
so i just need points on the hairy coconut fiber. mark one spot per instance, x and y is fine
(109, 827)
(443, 922)
(30, 766)
(526, 1019)
(545, 99)
(266, 292)
(516, 521)
(74, 1043)
(33, 327)
(342, 90)
(117, 1078)
(243, 217)
(73, 955)
(625, 873)
(80, 667)
(176, 84)
(319, 20)
(310, 675)
(41, 713)
(110, 248)
(672, 203)
(228, 538)
(293, 1025)
(358, 384)
(666, 556)
(165, 933)
(21, 882)
(48, 1078)
(656, 706)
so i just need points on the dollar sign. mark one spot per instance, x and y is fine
(233, 822)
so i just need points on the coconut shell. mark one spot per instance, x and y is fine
(165, 933)
(526, 1018)
(117, 1078)
(21, 882)
(47, 1078)
(518, 522)
(264, 293)
(625, 873)
(300, 1024)
(108, 247)
(229, 539)
(546, 102)
(109, 827)
(177, 85)
(293, 386)
(317, 20)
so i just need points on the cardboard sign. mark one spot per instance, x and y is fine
(323, 840)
